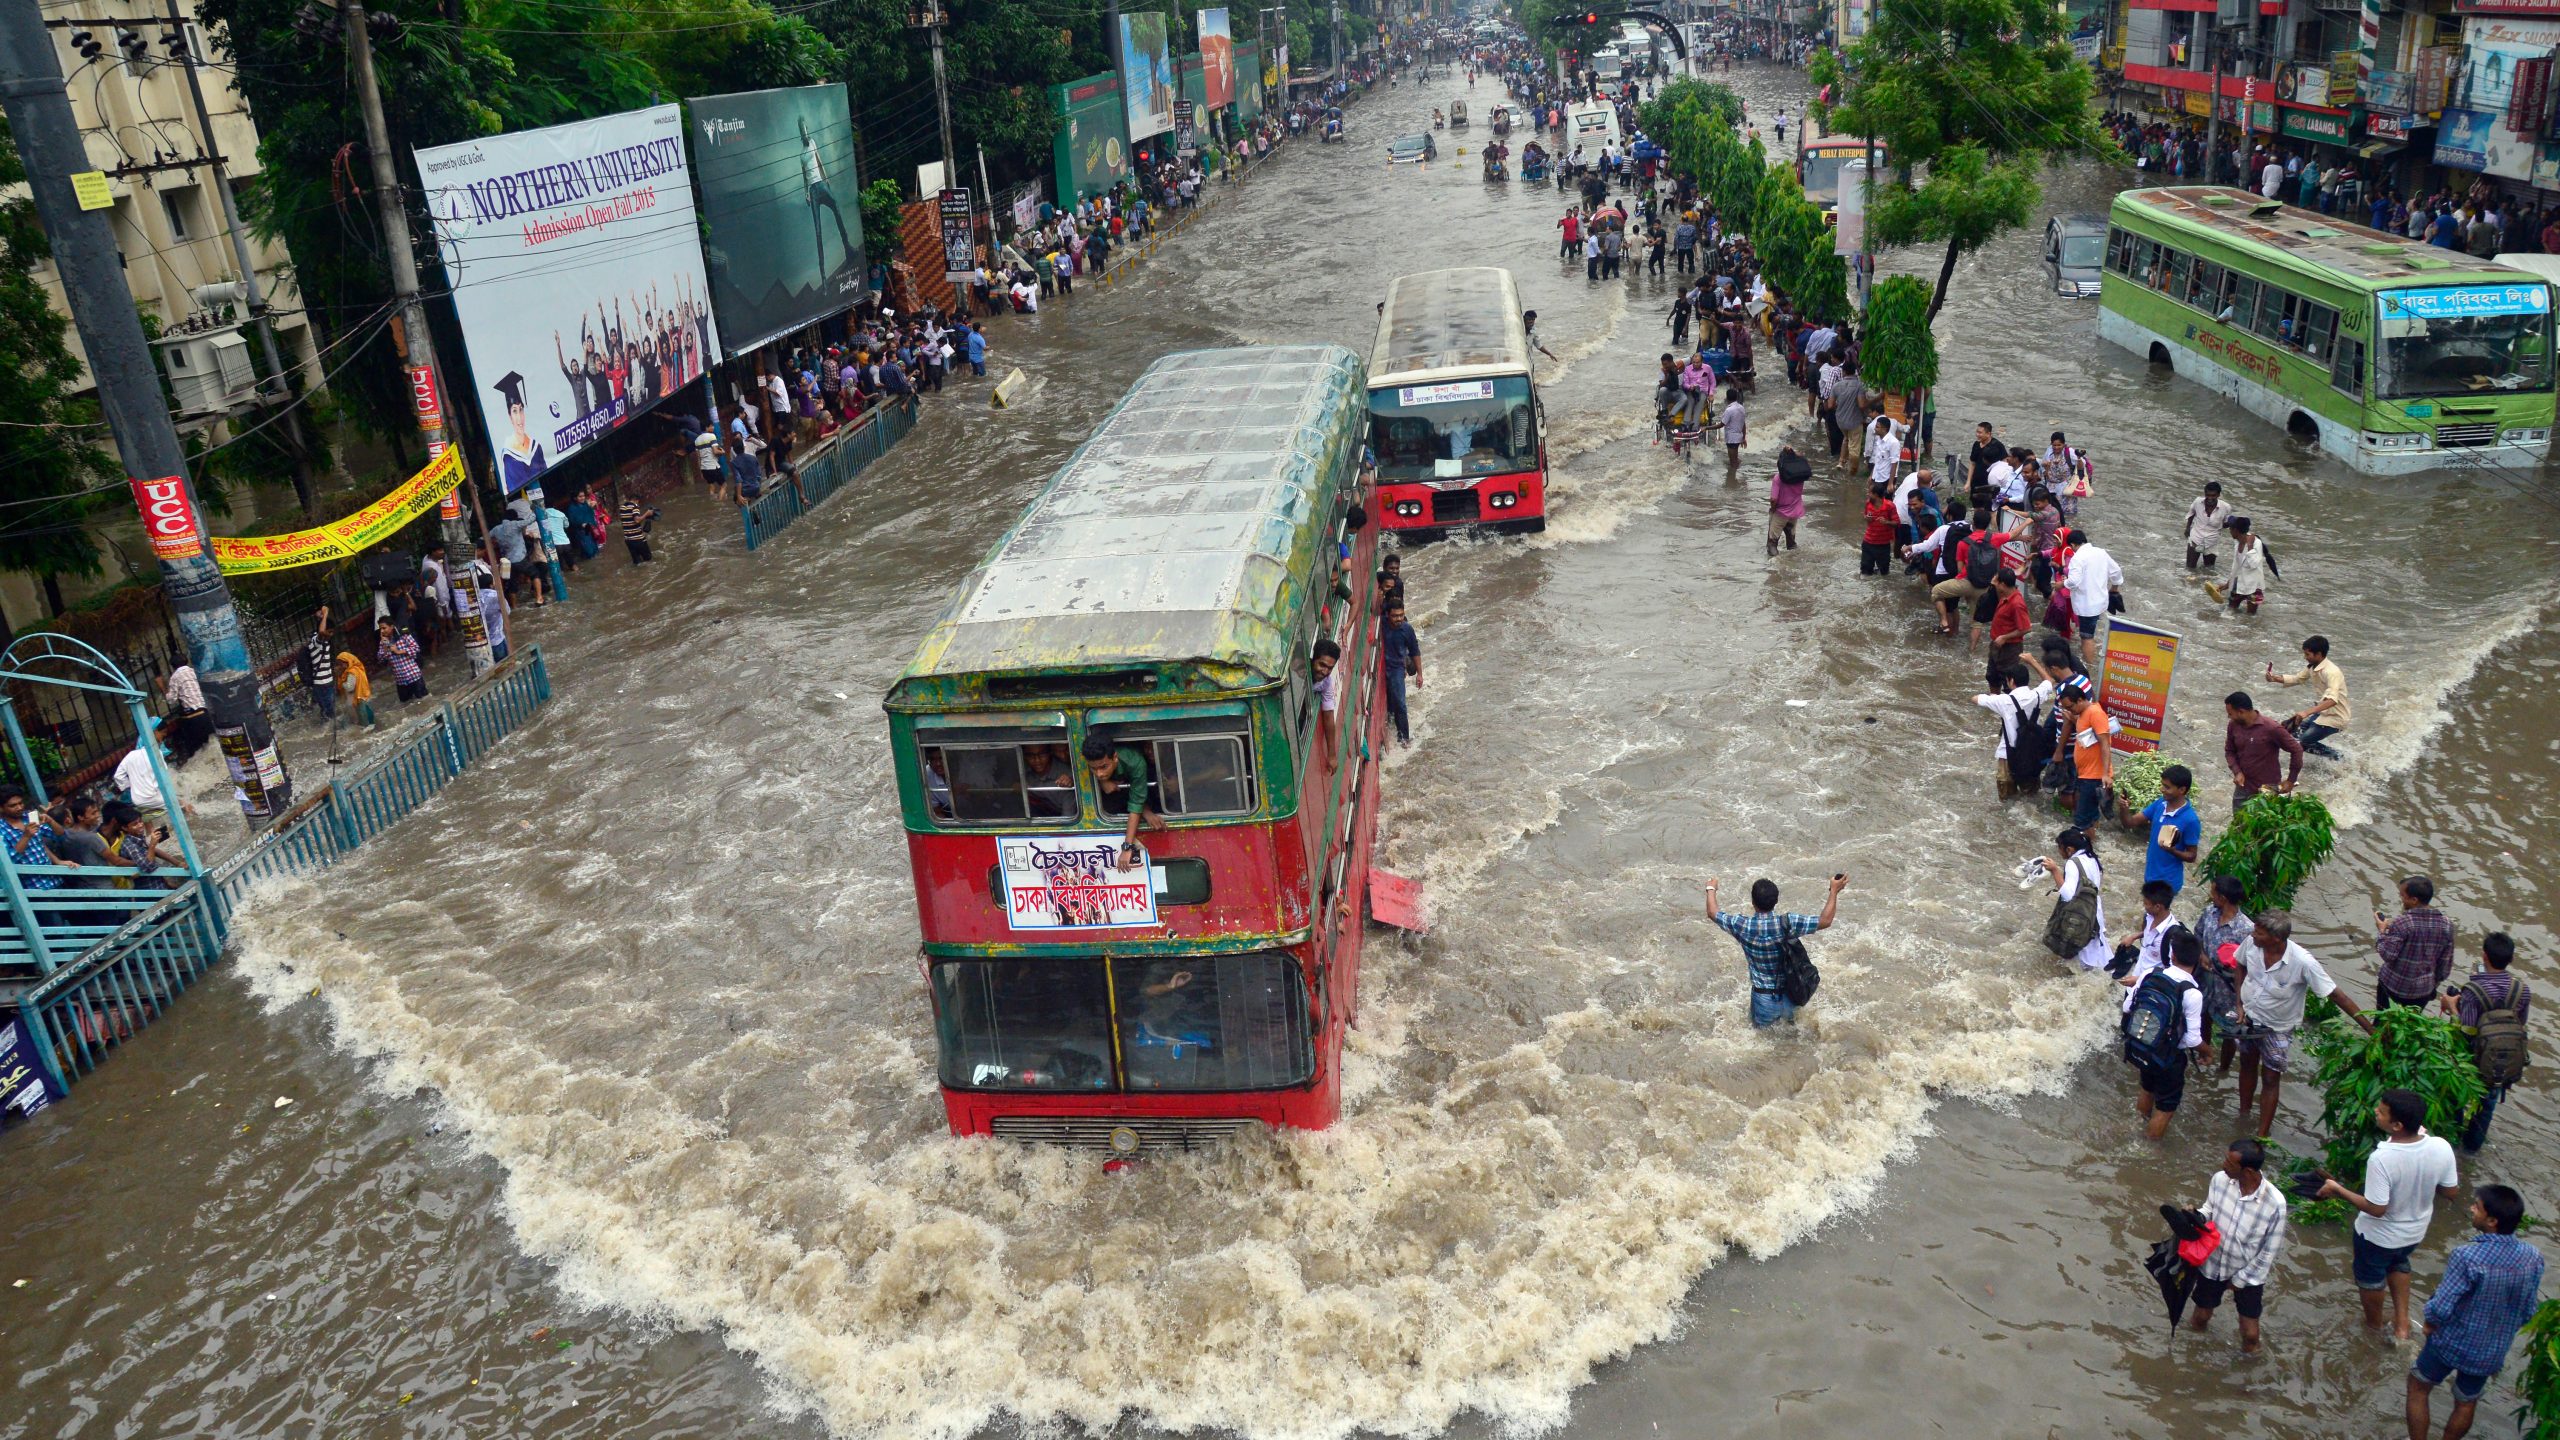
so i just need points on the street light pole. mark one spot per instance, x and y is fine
(91, 268)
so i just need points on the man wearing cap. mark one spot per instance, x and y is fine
(520, 460)
(2204, 526)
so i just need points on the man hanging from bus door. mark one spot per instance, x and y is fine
(1122, 770)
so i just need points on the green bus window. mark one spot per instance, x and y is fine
(2346, 372)
(998, 777)
(1213, 1022)
(2173, 273)
(2204, 291)
(2244, 303)
(2119, 249)
(2274, 306)
(2319, 326)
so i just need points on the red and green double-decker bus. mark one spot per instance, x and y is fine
(1159, 606)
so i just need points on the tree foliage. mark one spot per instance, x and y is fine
(50, 438)
(2541, 1381)
(1973, 94)
(1899, 353)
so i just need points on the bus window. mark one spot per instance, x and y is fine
(1212, 1022)
(2119, 250)
(2313, 329)
(1023, 1024)
(2205, 287)
(997, 776)
(2244, 303)
(2173, 274)
(2275, 307)
(2346, 372)
(1201, 767)
(1456, 430)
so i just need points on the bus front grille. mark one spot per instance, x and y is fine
(1449, 505)
(2454, 437)
(1154, 1134)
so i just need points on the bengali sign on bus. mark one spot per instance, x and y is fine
(2133, 681)
(1073, 882)
(2457, 302)
(1443, 394)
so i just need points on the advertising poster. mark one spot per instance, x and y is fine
(1093, 150)
(1249, 82)
(782, 208)
(1217, 58)
(576, 266)
(23, 1088)
(345, 538)
(2133, 681)
(959, 236)
(1146, 72)
(1073, 882)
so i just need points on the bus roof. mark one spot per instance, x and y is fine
(2352, 255)
(1814, 137)
(1183, 529)
(1449, 321)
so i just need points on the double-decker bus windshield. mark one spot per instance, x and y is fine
(1187, 1022)
(1458, 429)
(2459, 340)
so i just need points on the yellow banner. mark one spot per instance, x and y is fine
(344, 538)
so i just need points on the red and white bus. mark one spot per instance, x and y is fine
(1454, 419)
(1163, 598)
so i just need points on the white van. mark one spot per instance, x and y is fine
(1591, 124)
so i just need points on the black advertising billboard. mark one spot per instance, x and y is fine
(782, 206)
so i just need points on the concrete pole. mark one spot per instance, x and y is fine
(426, 390)
(101, 304)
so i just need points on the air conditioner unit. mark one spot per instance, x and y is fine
(209, 372)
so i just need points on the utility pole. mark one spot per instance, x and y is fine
(426, 386)
(298, 442)
(932, 19)
(93, 286)
(2213, 111)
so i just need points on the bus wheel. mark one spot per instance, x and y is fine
(2160, 354)
(2302, 427)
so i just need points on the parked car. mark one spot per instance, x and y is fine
(1412, 149)
(2075, 253)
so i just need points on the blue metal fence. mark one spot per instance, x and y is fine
(828, 468)
(145, 946)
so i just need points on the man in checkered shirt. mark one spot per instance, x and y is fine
(1762, 932)
(2251, 1216)
(2489, 1291)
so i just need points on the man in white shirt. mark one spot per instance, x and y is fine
(2409, 1170)
(2164, 1085)
(2013, 705)
(139, 781)
(2204, 525)
(1884, 450)
(2271, 180)
(2273, 992)
(2093, 576)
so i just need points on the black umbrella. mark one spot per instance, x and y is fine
(2177, 1278)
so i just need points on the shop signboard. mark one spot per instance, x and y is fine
(2312, 125)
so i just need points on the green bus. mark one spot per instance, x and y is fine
(2393, 356)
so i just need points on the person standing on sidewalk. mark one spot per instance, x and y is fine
(2416, 947)
(2253, 1218)
(2491, 1287)
(2492, 1008)
(2407, 1173)
(1763, 933)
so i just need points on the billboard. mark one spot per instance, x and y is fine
(782, 206)
(1218, 58)
(576, 268)
(1249, 82)
(1093, 149)
(1146, 74)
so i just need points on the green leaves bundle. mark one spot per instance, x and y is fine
(2273, 845)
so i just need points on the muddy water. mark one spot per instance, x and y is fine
(614, 1106)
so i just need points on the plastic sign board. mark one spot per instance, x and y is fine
(2457, 302)
(168, 517)
(2133, 681)
(1073, 882)
(1445, 394)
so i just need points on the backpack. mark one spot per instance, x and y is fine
(2498, 1046)
(1796, 974)
(2221, 995)
(2074, 922)
(1981, 563)
(1958, 532)
(2157, 1020)
(2031, 750)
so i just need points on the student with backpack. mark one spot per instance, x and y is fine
(2492, 1007)
(2025, 740)
(2163, 1024)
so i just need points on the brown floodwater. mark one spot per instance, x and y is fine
(614, 1108)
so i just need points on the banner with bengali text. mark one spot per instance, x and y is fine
(349, 536)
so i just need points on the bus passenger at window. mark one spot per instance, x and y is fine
(1328, 690)
(1048, 781)
(937, 786)
(1121, 771)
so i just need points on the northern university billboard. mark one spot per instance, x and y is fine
(783, 208)
(577, 272)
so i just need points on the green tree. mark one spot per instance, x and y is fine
(1899, 354)
(51, 438)
(1976, 95)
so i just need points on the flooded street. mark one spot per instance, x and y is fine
(615, 1112)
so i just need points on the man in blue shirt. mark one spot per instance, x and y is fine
(2489, 1291)
(1761, 933)
(2175, 833)
(1400, 655)
(977, 349)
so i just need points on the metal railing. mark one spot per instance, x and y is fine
(829, 468)
(159, 942)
